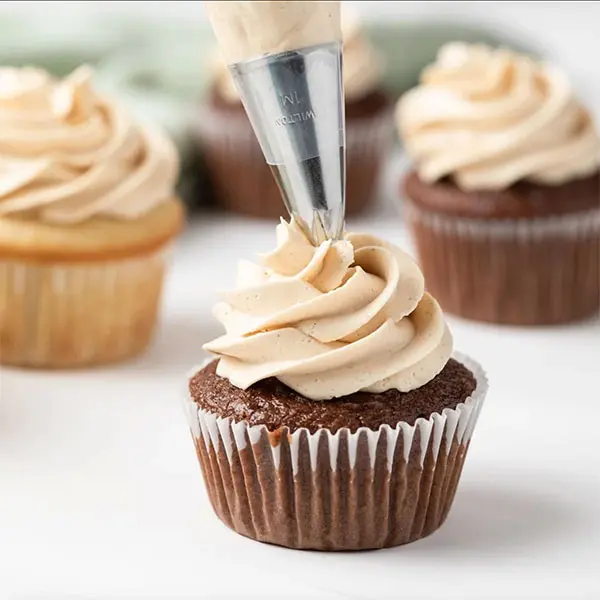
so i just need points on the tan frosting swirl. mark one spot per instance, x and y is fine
(493, 117)
(249, 29)
(67, 154)
(331, 320)
(362, 67)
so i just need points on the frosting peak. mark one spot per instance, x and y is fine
(67, 154)
(331, 320)
(491, 117)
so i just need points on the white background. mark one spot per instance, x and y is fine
(100, 491)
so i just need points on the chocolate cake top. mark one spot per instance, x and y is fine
(273, 404)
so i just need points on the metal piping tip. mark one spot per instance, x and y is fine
(295, 103)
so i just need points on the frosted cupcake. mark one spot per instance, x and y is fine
(87, 214)
(243, 182)
(336, 416)
(504, 198)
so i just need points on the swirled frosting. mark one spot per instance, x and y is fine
(362, 68)
(491, 117)
(331, 320)
(249, 29)
(67, 154)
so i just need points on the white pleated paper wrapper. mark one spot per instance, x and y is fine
(459, 421)
(65, 314)
(368, 489)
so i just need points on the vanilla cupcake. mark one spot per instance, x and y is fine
(504, 198)
(87, 215)
(241, 179)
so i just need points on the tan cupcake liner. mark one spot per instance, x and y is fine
(71, 315)
(244, 183)
(521, 272)
(342, 491)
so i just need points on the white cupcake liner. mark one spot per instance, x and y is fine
(74, 314)
(289, 488)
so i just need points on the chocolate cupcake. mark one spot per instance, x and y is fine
(242, 181)
(504, 199)
(336, 416)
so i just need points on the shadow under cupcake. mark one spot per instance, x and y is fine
(504, 199)
(241, 179)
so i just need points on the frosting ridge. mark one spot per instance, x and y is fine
(68, 154)
(331, 320)
(491, 117)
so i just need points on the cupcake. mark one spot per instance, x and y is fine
(504, 198)
(87, 215)
(242, 180)
(335, 416)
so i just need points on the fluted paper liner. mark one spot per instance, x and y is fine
(244, 183)
(522, 272)
(70, 315)
(342, 491)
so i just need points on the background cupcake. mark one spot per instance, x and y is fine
(241, 179)
(87, 213)
(504, 201)
(335, 418)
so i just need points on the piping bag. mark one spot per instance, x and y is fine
(286, 61)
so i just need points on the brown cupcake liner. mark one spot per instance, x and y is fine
(521, 272)
(343, 491)
(242, 181)
(72, 315)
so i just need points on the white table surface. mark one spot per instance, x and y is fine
(101, 495)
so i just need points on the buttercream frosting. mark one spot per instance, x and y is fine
(491, 117)
(362, 64)
(68, 154)
(331, 320)
(250, 29)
